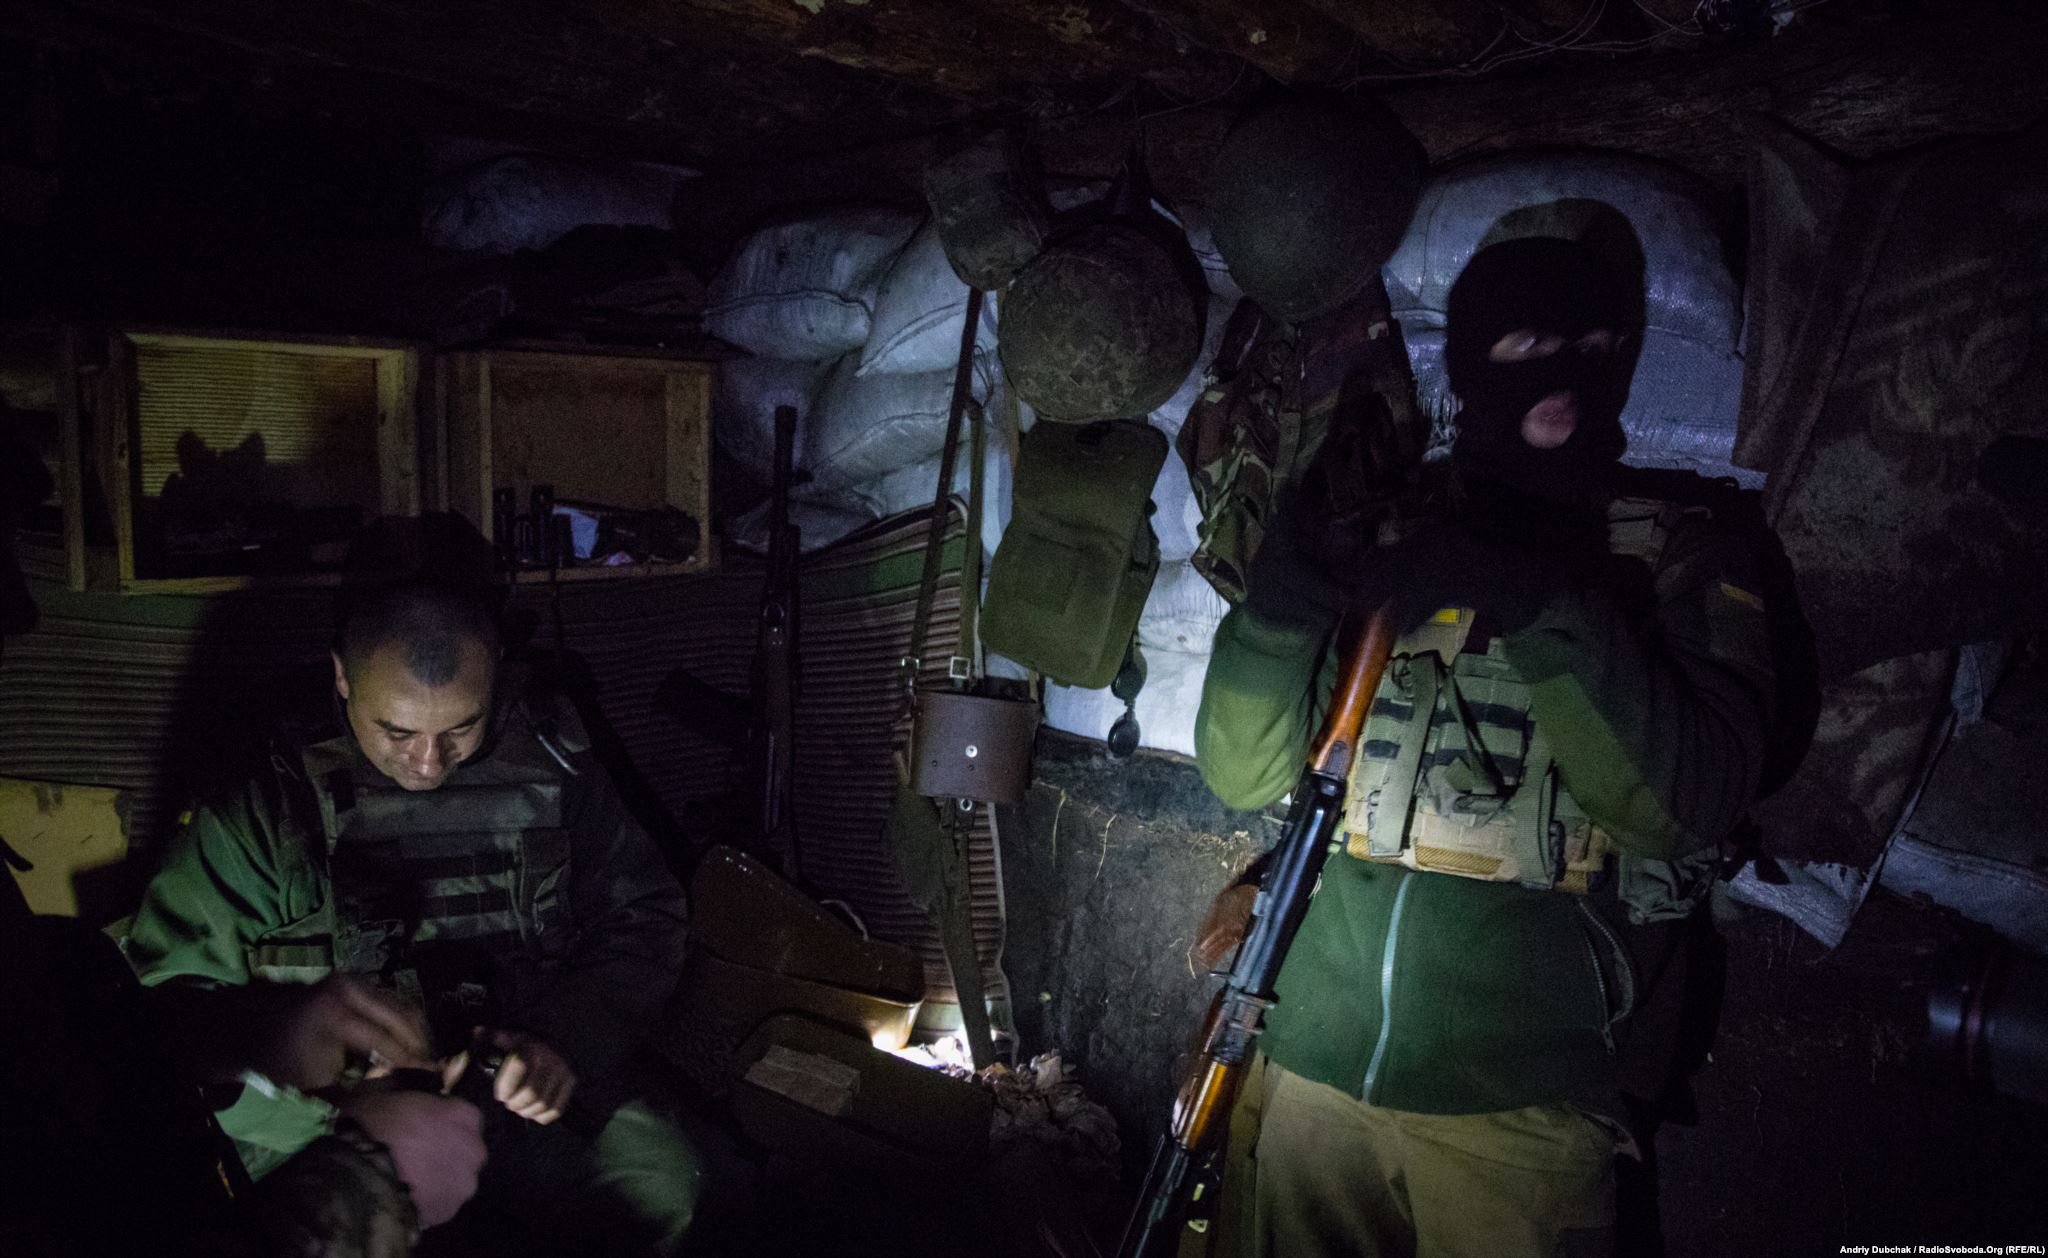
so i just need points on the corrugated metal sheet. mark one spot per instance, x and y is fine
(150, 694)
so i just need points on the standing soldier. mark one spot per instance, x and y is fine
(1571, 726)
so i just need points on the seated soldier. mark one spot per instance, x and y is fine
(436, 873)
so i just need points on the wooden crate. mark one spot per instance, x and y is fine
(631, 431)
(304, 421)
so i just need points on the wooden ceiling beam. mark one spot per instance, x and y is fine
(1285, 39)
(1862, 87)
(518, 69)
(989, 53)
(1423, 33)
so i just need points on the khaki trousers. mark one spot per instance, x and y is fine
(1316, 1173)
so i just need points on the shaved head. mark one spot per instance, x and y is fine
(430, 622)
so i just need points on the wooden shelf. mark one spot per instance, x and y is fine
(628, 430)
(238, 417)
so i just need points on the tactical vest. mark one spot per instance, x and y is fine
(1454, 775)
(454, 899)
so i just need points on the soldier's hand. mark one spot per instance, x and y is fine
(302, 1036)
(1294, 576)
(436, 1144)
(534, 1080)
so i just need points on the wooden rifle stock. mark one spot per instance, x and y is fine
(1202, 1108)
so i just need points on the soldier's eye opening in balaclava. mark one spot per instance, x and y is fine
(1539, 345)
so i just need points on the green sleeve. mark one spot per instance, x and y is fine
(1261, 700)
(1659, 729)
(220, 888)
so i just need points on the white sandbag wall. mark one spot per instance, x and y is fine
(876, 419)
(855, 319)
(806, 289)
(1688, 380)
(750, 390)
(919, 307)
(866, 426)
(825, 516)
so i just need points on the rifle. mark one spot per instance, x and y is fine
(1201, 1110)
(771, 726)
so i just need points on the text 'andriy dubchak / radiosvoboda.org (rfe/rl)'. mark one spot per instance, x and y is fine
(1945, 1249)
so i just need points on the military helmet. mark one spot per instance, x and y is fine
(990, 210)
(1106, 322)
(1309, 196)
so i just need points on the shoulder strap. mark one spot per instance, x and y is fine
(935, 532)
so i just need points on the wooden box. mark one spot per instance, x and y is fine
(631, 432)
(282, 446)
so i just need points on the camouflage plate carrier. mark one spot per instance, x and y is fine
(455, 899)
(1455, 776)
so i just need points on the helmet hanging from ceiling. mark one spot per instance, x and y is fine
(1309, 196)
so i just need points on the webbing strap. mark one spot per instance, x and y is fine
(970, 561)
(1389, 826)
(1540, 856)
(935, 534)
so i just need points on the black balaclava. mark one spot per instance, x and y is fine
(1554, 287)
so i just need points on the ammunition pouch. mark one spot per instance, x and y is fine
(1070, 577)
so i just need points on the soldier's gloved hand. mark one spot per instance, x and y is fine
(302, 1036)
(1449, 564)
(1299, 572)
(436, 1144)
(534, 1080)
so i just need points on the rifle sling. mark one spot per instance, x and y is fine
(935, 535)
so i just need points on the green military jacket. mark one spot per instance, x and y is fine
(246, 893)
(1436, 993)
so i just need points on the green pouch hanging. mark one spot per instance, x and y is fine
(1070, 577)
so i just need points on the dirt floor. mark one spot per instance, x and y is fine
(1819, 1125)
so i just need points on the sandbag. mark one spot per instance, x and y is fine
(743, 408)
(911, 489)
(1069, 580)
(806, 289)
(1181, 613)
(1177, 516)
(1165, 711)
(918, 308)
(1175, 632)
(514, 201)
(1686, 392)
(867, 426)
